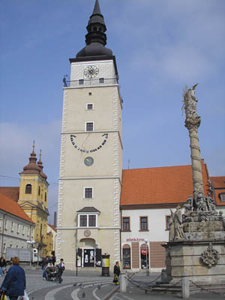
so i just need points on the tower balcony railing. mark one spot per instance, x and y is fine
(90, 82)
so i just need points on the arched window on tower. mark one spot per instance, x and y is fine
(45, 196)
(28, 189)
(39, 191)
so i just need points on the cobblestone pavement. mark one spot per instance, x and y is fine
(92, 286)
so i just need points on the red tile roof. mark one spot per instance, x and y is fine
(53, 227)
(219, 187)
(218, 182)
(161, 185)
(10, 192)
(10, 206)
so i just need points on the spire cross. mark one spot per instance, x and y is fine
(33, 144)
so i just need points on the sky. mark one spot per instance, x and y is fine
(160, 46)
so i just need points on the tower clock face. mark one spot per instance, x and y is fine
(88, 161)
(91, 71)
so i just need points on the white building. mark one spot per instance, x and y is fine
(146, 199)
(16, 228)
(91, 155)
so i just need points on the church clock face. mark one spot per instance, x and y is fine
(91, 71)
(88, 161)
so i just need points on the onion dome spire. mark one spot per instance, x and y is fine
(40, 164)
(96, 37)
(32, 167)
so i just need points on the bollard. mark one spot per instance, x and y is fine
(185, 287)
(123, 283)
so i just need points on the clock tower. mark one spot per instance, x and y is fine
(91, 155)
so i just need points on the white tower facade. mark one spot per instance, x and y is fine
(91, 155)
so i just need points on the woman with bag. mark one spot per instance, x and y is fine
(14, 283)
(116, 273)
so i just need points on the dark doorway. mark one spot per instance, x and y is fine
(89, 258)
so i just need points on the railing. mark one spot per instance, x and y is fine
(90, 82)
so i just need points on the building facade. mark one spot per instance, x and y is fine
(51, 239)
(91, 155)
(16, 228)
(33, 199)
(148, 196)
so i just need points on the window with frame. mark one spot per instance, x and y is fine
(90, 106)
(88, 193)
(126, 223)
(81, 81)
(143, 223)
(88, 220)
(101, 80)
(28, 189)
(83, 220)
(89, 126)
(92, 220)
(222, 197)
(12, 226)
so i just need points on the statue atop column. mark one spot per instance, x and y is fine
(192, 122)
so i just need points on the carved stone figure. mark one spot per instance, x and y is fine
(188, 206)
(178, 226)
(190, 102)
(171, 227)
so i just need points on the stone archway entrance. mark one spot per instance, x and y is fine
(89, 255)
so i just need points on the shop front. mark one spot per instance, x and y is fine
(89, 254)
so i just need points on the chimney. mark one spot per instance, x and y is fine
(55, 219)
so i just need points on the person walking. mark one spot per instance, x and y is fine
(61, 267)
(2, 265)
(14, 283)
(117, 273)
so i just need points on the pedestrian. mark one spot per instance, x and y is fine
(61, 268)
(3, 265)
(14, 283)
(116, 273)
(45, 262)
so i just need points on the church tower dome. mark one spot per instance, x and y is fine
(40, 164)
(96, 37)
(32, 167)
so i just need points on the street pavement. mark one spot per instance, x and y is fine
(92, 286)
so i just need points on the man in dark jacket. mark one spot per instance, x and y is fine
(14, 283)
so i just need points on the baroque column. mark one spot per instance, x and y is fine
(192, 122)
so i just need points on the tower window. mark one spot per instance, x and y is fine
(39, 191)
(101, 80)
(88, 193)
(88, 221)
(28, 189)
(89, 126)
(81, 81)
(45, 196)
(90, 106)
(83, 220)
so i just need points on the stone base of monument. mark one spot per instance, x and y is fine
(202, 261)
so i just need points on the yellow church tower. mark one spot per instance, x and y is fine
(33, 199)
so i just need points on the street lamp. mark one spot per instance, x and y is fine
(147, 268)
